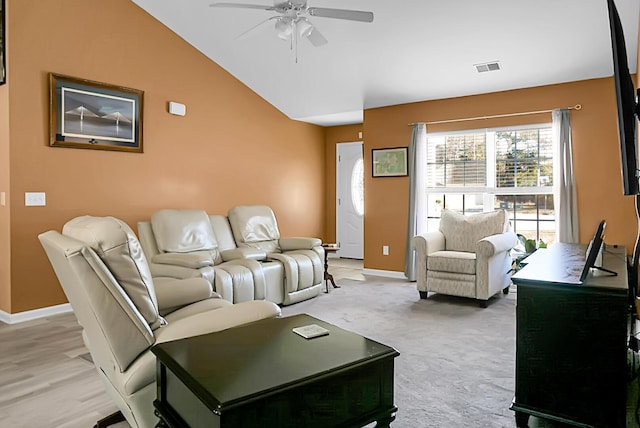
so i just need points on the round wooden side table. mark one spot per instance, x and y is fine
(329, 248)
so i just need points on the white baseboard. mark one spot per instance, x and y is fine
(8, 318)
(385, 273)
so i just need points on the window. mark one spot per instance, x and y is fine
(481, 170)
(357, 187)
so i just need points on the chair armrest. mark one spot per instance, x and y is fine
(428, 243)
(495, 244)
(288, 244)
(179, 272)
(243, 253)
(174, 293)
(193, 260)
(218, 319)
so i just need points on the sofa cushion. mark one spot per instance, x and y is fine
(461, 232)
(183, 231)
(452, 261)
(255, 226)
(222, 232)
(119, 248)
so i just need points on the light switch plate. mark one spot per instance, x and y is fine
(35, 199)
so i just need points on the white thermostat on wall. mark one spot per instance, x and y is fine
(177, 108)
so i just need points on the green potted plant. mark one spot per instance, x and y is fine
(524, 249)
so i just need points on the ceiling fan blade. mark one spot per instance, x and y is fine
(242, 6)
(250, 30)
(351, 15)
(316, 38)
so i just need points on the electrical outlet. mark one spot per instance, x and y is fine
(385, 250)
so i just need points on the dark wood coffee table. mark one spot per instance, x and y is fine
(262, 374)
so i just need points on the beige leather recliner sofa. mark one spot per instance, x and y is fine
(255, 227)
(469, 256)
(242, 255)
(123, 310)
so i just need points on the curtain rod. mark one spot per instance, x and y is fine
(576, 107)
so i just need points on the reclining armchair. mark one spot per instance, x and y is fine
(468, 256)
(124, 311)
(255, 227)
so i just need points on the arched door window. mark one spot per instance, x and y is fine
(357, 187)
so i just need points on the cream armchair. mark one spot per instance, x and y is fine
(468, 256)
(124, 311)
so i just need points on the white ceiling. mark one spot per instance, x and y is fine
(414, 50)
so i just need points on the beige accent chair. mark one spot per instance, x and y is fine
(469, 256)
(255, 227)
(124, 311)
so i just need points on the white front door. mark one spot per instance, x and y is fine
(350, 200)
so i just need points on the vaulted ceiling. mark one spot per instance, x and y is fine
(414, 50)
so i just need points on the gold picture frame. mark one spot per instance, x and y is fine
(92, 115)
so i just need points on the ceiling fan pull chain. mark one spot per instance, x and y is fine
(294, 33)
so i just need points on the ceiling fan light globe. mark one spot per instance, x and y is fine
(304, 28)
(283, 28)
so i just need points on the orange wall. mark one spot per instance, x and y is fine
(231, 148)
(5, 252)
(335, 135)
(5, 225)
(596, 158)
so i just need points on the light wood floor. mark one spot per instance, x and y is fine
(45, 382)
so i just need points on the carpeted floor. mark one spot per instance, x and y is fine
(456, 363)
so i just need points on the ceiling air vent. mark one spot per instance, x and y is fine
(488, 66)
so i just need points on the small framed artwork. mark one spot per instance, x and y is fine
(389, 162)
(92, 115)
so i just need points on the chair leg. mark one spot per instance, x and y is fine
(505, 290)
(424, 294)
(112, 419)
(482, 303)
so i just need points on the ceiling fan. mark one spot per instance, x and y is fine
(292, 23)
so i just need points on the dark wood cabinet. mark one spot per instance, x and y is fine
(571, 339)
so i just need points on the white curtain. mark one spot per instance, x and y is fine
(417, 221)
(565, 199)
